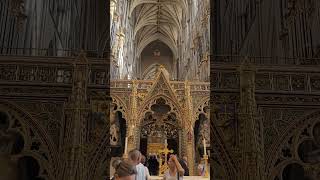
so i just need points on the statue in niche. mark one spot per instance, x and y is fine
(204, 133)
(114, 130)
(114, 135)
(201, 131)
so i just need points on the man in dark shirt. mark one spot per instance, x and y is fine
(153, 165)
(184, 166)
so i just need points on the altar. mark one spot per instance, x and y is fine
(184, 178)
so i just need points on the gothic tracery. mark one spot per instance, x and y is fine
(54, 107)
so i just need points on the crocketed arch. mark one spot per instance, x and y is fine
(33, 132)
(144, 43)
(223, 155)
(136, 3)
(146, 107)
(199, 108)
(290, 131)
(121, 105)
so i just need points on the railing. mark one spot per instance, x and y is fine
(121, 84)
(178, 85)
(200, 86)
(59, 71)
(36, 73)
(147, 84)
(237, 59)
(51, 52)
(49, 70)
(270, 79)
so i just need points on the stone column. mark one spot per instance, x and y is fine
(188, 116)
(77, 110)
(174, 69)
(251, 130)
(134, 124)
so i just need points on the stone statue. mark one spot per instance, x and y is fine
(114, 135)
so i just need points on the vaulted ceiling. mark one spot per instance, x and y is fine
(157, 20)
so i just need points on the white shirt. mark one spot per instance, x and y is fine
(142, 172)
(167, 176)
(147, 172)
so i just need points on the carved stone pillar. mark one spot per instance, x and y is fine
(188, 125)
(77, 110)
(113, 4)
(17, 9)
(133, 128)
(174, 69)
(251, 130)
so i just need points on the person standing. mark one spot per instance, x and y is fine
(143, 161)
(184, 165)
(151, 165)
(124, 170)
(135, 158)
(175, 170)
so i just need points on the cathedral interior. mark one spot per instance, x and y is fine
(234, 83)
(160, 85)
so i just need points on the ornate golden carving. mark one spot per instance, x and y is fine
(154, 147)
(182, 97)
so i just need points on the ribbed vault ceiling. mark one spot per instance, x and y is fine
(157, 20)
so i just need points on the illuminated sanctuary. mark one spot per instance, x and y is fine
(160, 80)
(82, 84)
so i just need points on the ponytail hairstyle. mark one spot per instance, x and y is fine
(123, 168)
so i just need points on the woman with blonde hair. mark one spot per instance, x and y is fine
(175, 170)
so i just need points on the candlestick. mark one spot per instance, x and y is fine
(126, 146)
(205, 158)
(204, 146)
(165, 142)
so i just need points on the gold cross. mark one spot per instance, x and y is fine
(164, 151)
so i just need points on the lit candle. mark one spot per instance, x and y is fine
(204, 146)
(126, 146)
(165, 142)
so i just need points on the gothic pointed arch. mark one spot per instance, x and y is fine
(175, 108)
(219, 149)
(37, 143)
(296, 144)
(119, 105)
(161, 88)
(202, 107)
(154, 20)
(136, 3)
(147, 40)
(221, 153)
